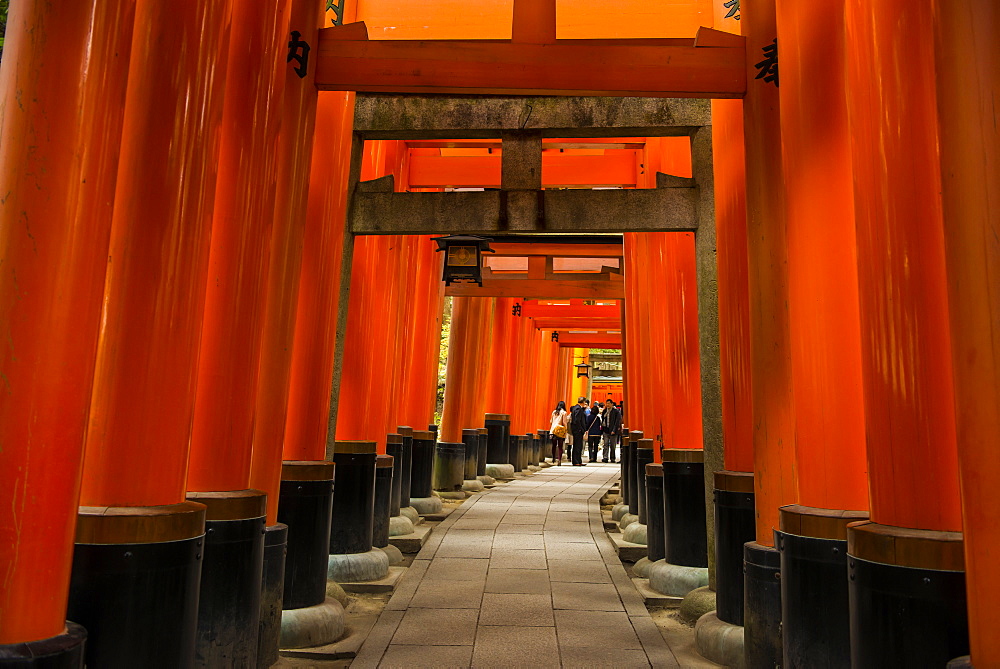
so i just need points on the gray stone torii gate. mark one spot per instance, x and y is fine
(522, 207)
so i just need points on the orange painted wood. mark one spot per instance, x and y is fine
(422, 340)
(537, 310)
(546, 288)
(558, 169)
(468, 344)
(395, 317)
(966, 34)
(906, 342)
(681, 336)
(146, 375)
(578, 323)
(767, 270)
(556, 250)
(631, 307)
(503, 347)
(62, 93)
(222, 433)
(294, 159)
(307, 428)
(822, 261)
(506, 68)
(533, 21)
(598, 340)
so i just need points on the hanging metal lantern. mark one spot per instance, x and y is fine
(463, 258)
(582, 370)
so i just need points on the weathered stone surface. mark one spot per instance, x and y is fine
(426, 505)
(334, 590)
(453, 117)
(486, 480)
(412, 542)
(354, 567)
(500, 472)
(676, 580)
(395, 555)
(313, 625)
(400, 525)
(641, 568)
(697, 603)
(473, 485)
(627, 520)
(635, 533)
(619, 511)
(386, 584)
(411, 513)
(719, 641)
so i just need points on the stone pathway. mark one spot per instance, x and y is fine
(521, 576)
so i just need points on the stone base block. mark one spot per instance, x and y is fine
(534, 468)
(697, 603)
(452, 494)
(411, 513)
(412, 542)
(386, 584)
(627, 520)
(545, 465)
(425, 505)
(671, 579)
(651, 597)
(609, 524)
(312, 626)
(359, 626)
(354, 567)
(635, 533)
(618, 512)
(627, 551)
(719, 641)
(440, 515)
(473, 485)
(333, 590)
(500, 472)
(486, 480)
(400, 526)
(641, 567)
(395, 555)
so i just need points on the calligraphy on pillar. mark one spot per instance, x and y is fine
(768, 68)
(298, 51)
(734, 9)
(337, 7)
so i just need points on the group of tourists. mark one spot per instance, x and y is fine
(586, 424)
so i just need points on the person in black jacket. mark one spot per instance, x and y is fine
(594, 431)
(611, 427)
(578, 426)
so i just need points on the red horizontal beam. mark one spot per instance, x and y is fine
(535, 310)
(578, 323)
(541, 289)
(557, 250)
(590, 340)
(345, 61)
(614, 169)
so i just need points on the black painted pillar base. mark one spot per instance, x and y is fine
(907, 597)
(63, 651)
(137, 598)
(352, 522)
(382, 500)
(655, 538)
(633, 485)
(643, 457)
(421, 477)
(394, 447)
(684, 516)
(623, 465)
(498, 439)
(449, 466)
(735, 525)
(762, 606)
(470, 438)
(272, 587)
(306, 507)
(813, 547)
(407, 468)
(513, 451)
(483, 450)
(229, 599)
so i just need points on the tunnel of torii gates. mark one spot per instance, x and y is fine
(216, 277)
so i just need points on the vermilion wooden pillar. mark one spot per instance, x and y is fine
(316, 315)
(906, 350)
(825, 335)
(135, 467)
(770, 348)
(222, 433)
(503, 349)
(62, 92)
(966, 34)
(422, 343)
(294, 159)
(471, 319)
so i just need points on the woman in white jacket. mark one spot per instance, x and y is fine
(559, 426)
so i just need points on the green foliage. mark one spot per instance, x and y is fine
(443, 358)
(4, 4)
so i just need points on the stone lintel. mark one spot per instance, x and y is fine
(384, 116)
(569, 211)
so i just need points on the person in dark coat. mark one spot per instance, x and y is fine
(594, 431)
(578, 426)
(611, 426)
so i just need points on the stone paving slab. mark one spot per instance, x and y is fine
(523, 575)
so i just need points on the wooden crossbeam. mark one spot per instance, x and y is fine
(347, 61)
(590, 340)
(541, 289)
(613, 169)
(557, 250)
(578, 323)
(537, 311)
